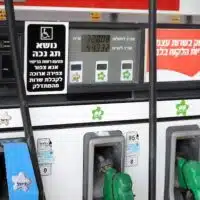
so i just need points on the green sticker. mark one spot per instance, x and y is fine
(97, 114)
(76, 77)
(182, 108)
(101, 76)
(126, 75)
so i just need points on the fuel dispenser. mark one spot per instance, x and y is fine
(63, 60)
(114, 55)
(104, 176)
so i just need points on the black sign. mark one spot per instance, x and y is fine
(46, 57)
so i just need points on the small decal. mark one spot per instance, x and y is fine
(76, 72)
(101, 76)
(21, 182)
(45, 156)
(44, 144)
(95, 16)
(182, 108)
(76, 77)
(176, 19)
(97, 114)
(45, 169)
(101, 73)
(132, 148)
(132, 161)
(2, 15)
(127, 75)
(5, 118)
(46, 33)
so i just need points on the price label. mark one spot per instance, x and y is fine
(133, 137)
(45, 169)
(132, 161)
(132, 148)
(133, 142)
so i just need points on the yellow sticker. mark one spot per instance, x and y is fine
(95, 16)
(2, 15)
(176, 19)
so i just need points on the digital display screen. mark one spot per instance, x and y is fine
(127, 66)
(95, 43)
(76, 67)
(102, 66)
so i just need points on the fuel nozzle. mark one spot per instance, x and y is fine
(103, 164)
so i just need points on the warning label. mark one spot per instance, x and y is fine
(45, 155)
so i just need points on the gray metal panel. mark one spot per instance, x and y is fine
(60, 15)
(91, 140)
(114, 57)
(172, 134)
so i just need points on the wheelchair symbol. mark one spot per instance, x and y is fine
(46, 33)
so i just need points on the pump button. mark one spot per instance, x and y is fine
(126, 70)
(101, 73)
(76, 72)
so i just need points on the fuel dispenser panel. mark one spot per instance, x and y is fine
(94, 58)
(7, 78)
(6, 71)
(101, 151)
(104, 56)
(182, 163)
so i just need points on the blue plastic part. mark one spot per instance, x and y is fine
(19, 171)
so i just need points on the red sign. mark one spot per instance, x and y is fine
(178, 50)
(172, 5)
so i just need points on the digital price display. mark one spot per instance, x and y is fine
(95, 43)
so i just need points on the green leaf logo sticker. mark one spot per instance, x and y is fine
(97, 114)
(126, 75)
(182, 108)
(76, 77)
(101, 76)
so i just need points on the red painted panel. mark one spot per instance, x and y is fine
(110, 4)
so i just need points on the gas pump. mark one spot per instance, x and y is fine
(114, 62)
(99, 46)
(84, 83)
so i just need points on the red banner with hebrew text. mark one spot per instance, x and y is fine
(178, 54)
